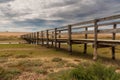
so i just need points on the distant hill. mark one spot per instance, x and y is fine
(15, 34)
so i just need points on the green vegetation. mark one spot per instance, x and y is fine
(24, 60)
(56, 59)
(8, 74)
(93, 72)
(42, 71)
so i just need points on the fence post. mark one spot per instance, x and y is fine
(85, 45)
(95, 54)
(28, 38)
(47, 36)
(55, 37)
(59, 44)
(32, 38)
(42, 38)
(37, 38)
(52, 38)
(69, 38)
(113, 37)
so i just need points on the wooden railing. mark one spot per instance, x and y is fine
(66, 34)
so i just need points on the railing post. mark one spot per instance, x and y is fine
(37, 38)
(59, 44)
(55, 37)
(42, 38)
(69, 38)
(32, 38)
(85, 45)
(113, 37)
(28, 39)
(47, 36)
(52, 38)
(95, 54)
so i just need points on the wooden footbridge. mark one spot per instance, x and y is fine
(67, 34)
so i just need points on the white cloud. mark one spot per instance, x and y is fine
(52, 12)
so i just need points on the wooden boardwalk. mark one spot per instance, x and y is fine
(55, 37)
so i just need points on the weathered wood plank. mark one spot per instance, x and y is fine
(85, 45)
(95, 39)
(47, 37)
(37, 38)
(59, 43)
(109, 18)
(55, 38)
(69, 38)
(42, 36)
(113, 37)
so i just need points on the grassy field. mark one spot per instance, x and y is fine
(33, 62)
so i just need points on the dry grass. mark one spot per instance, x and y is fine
(91, 36)
(32, 62)
(11, 34)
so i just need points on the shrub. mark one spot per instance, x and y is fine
(93, 72)
(71, 65)
(56, 59)
(42, 71)
(61, 75)
(30, 63)
(8, 74)
(26, 65)
(6, 55)
(22, 56)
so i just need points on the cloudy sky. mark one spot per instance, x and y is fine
(36, 15)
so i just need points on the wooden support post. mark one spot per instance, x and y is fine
(69, 38)
(47, 37)
(55, 37)
(37, 38)
(113, 37)
(95, 39)
(85, 45)
(42, 38)
(59, 44)
(28, 39)
(52, 38)
(32, 37)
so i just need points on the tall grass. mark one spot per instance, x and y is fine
(93, 72)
